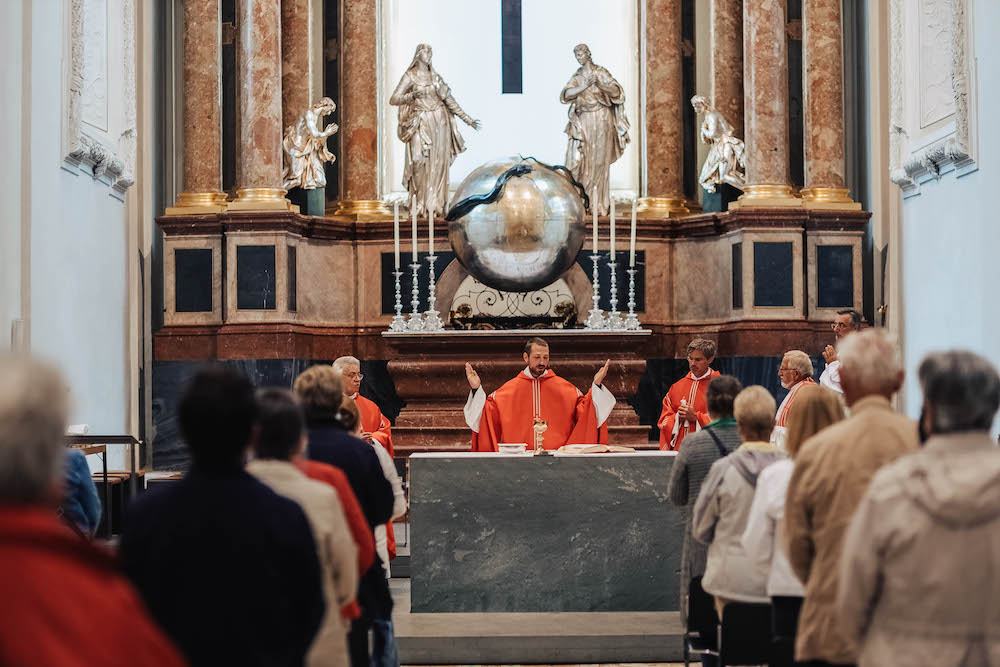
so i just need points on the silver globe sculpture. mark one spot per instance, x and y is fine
(528, 237)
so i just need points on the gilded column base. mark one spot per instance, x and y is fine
(831, 199)
(198, 203)
(262, 199)
(362, 210)
(666, 207)
(775, 196)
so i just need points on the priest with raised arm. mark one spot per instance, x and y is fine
(509, 413)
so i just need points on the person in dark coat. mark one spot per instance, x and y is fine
(226, 566)
(320, 391)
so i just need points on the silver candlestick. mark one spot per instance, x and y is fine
(595, 318)
(398, 322)
(615, 320)
(432, 321)
(415, 323)
(631, 322)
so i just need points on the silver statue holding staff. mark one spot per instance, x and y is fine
(427, 126)
(597, 128)
(726, 161)
(305, 148)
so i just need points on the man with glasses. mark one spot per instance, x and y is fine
(796, 371)
(847, 321)
(685, 408)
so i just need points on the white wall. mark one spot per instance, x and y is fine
(11, 15)
(951, 236)
(465, 37)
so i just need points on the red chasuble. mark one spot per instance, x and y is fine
(510, 411)
(374, 422)
(693, 391)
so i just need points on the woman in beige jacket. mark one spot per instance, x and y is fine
(281, 437)
(919, 582)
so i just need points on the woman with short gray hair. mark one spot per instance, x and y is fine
(917, 572)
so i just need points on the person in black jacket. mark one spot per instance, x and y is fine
(320, 391)
(227, 567)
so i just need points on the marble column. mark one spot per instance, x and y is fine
(258, 67)
(765, 82)
(727, 61)
(359, 110)
(297, 92)
(664, 110)
(823, 83)
(201, 162)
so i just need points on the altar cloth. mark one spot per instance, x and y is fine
(569, 533)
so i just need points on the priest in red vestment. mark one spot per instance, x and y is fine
(685, 409)
(796, 371)
(374, 426)
(508, 414)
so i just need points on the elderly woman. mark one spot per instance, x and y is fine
(720, 513)
(918, 576)
(815, 409)
(719, 438)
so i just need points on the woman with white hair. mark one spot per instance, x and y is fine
(918, 575)
(723, 505)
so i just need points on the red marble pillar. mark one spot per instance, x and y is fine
(823, 65)
(727, 61)
(297, 92)
(201, 162)
(664, 109)
(765, 81)
(359, 109)
(258, 65)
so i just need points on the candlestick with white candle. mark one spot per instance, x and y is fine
(631, 243)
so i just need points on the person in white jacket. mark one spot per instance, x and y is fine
(815, 408)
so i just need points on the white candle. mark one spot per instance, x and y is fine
(413, 209)
(430, 225)
(395, 231)
(612, 229)
(593, 206)
(631, 244)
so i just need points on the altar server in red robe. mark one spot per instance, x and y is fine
(374, 426)
(509, 413)
(685, 409)
(796, 371)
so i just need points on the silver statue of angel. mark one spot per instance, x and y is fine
(305, 148)
(726, 161)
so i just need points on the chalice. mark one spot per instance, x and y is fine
(539, 426)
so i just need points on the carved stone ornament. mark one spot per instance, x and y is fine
(932, 89)
(100, 112)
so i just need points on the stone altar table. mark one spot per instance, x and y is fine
(563, 533)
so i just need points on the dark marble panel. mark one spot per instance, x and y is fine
(737, 275)
(511, 51)
(604, 277)
(293, 296)
(796, 107)
(444, 258)
(543, 534)
(255, 277)
(835, 276)
(170, 378)
(193, 280)
(772, 273)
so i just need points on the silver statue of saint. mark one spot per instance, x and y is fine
(427, 126)
(726, 161)
(597, 128)
(305, 148)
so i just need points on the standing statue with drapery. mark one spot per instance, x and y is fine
(305, 148)
(726, 160)
(428, 127)
(597, 128)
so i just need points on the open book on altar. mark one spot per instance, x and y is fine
(593, 449)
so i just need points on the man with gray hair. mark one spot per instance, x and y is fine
(796, 371)
(56, 584)
(832, 472)
(938, 508)
(374, 426)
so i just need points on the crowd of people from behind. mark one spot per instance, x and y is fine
(870, 538)
(272, 550)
